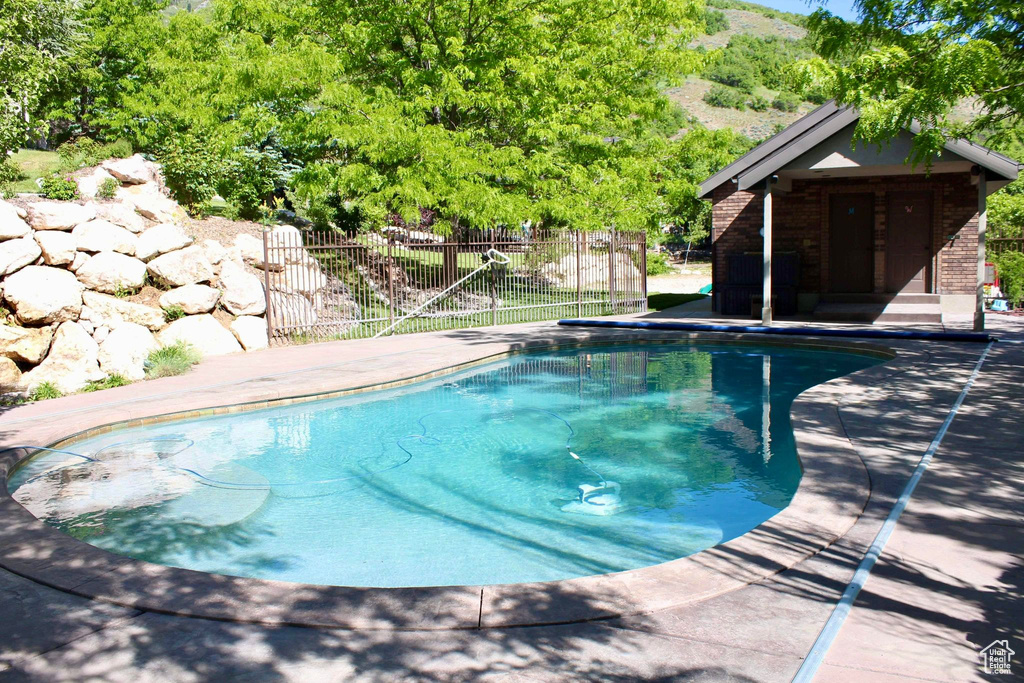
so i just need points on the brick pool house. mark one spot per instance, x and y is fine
(851, 233)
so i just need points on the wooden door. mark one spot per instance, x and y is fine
(851, 242)
(908, 242)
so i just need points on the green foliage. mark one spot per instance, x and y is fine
(10, 173)
(76, 154)
(734, 71)
(172, 313)
(1011, 275)
(725, 97)
(758, 103)
(751, 61)
(110, 382)
(715, 21)
(35, 36)
(44, 391)
(168, 361)
(786, 101)
(108, 188)
(658, 263)
(60, 187)
(917, 61)
(191, 170)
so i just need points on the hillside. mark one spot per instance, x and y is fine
(755, 21)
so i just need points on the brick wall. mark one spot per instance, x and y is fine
(800, 224)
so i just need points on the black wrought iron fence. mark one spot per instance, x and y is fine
(323, 285)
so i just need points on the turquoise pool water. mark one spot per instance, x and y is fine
(462, 480)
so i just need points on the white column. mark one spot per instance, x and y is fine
(979, 308)
(766, 289)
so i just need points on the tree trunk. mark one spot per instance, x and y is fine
(450, 265)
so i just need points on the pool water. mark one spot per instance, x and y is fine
(468, 479)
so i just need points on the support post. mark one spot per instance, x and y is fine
(269, 314)
(979, 307)
(766, 285)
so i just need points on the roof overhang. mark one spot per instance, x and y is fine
(772, 155)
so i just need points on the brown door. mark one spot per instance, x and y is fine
(851, 242)
(908, 249)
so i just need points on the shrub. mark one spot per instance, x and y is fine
(108, 188)
(191, 170)
(59, 187)
(44, 391)
(658, 263)
(786, 101)
(10, 173)
(715, 21)
(172, 313)
(119, 149)
(758, 103)
(112, 381)
(734, 71)
(725, 97)
(1011, 275)
(169, 361)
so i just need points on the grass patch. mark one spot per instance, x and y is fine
(111, 382)
(659, 302)
(176, 359)
(34, 164)
(44, 391)
(172, 313)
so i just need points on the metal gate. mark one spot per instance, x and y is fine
(323, 285)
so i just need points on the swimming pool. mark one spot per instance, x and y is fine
(465, 480)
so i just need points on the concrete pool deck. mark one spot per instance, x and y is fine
(948, 584)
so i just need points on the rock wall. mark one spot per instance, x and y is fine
(69, 272)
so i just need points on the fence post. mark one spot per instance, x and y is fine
(643, 273)
(579, 274)
(611, 269)
(266, 289)
(391, 283)
(494, 292)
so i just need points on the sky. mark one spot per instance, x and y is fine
(842, 8)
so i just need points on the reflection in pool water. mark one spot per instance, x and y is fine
(472, 479)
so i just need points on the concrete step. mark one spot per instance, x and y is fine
(880, 312)
(880, 298)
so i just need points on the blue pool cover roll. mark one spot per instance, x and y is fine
(803, 331)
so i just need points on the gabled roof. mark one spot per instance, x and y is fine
(816, 127)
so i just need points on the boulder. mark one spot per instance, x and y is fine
(306, 280)
(42, 294)
(152, 204)
(243, 291)
(134, 170)
(87, 325)
(12, 225)
(192, 299)
(161, 239)
(122, 214)
(202, 332)
(71, 364)
(214, 250)
(125, 349)
(58, 248)
(58, 215)
(80, 258)
(250, 331)
(25, 344)
(17, 253)
(88, 185)
(10, 375)
(100, 235)
(109, 311)
(111, 272)
(287, 310)
(101, 334)
(250, 247)
(187, 266)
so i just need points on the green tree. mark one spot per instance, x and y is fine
(108, 63)
(917, 60)
(35, 35)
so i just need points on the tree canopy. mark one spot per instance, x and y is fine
(910, 60)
